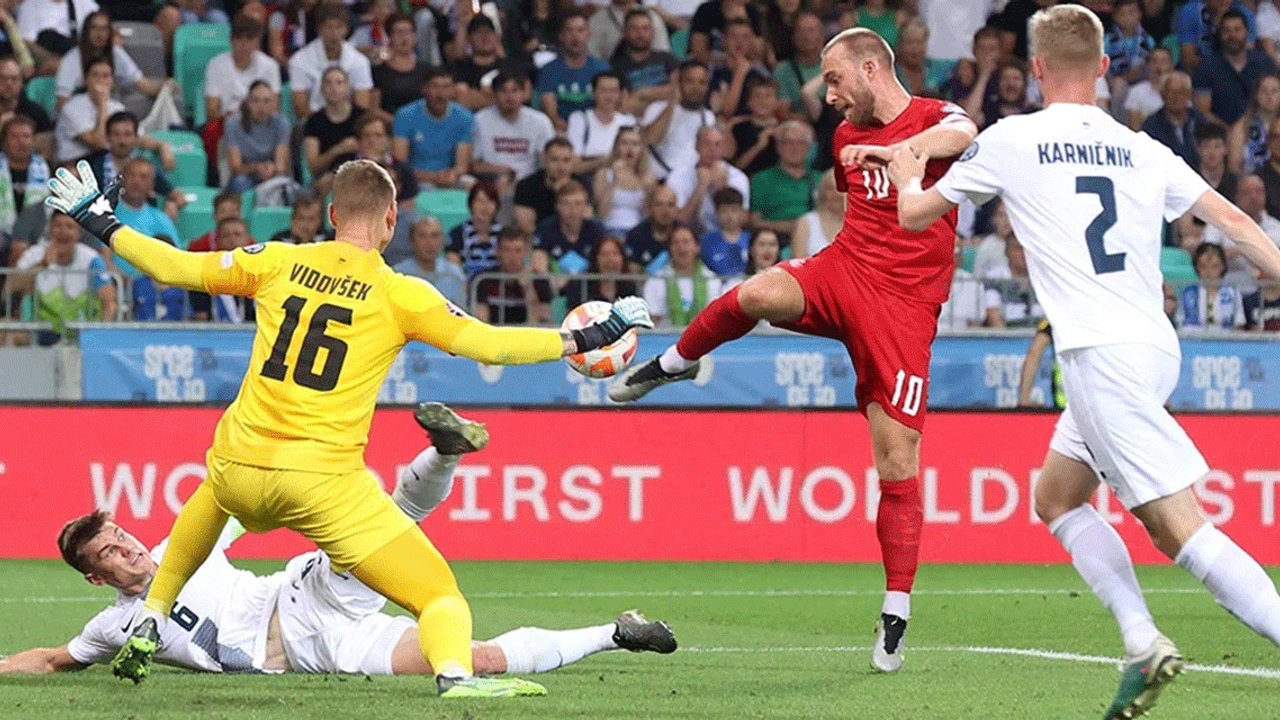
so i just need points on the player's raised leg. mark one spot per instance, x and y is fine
(899, 523)
(774, 295)
(428, 478)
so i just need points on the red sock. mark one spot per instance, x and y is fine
(898, 526)
(718, 323)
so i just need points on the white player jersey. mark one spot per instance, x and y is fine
(1086, 196)
(218, 624)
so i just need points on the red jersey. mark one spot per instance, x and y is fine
(912, 264)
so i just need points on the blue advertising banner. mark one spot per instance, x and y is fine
(197, 365)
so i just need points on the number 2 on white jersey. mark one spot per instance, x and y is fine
(915, 393)
(877, 183)
(1103, 262)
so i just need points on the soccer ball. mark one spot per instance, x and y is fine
(602, 362)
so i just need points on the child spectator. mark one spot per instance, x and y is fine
(724, 251)
(305, 224)
(1128, 44)
(1211, 304)
(753, 135)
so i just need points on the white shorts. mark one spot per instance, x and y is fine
(332, 623)
(1116, 422)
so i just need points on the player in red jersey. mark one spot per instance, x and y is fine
(877, 289)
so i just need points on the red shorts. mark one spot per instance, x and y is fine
(888, 337)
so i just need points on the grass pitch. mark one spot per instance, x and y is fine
(757, 641)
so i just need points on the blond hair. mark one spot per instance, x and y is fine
(1067, 37)
(861, 43)
(362, 188)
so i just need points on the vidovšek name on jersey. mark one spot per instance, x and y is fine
(1084, 154)
(313, 279)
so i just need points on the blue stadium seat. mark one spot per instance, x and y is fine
(42, 91)
(194, 45)
(680, 44)
(196, 218)
(1176, 265)
(191, 162)
(449, 206)
(267, 221)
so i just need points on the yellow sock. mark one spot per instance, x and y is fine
(410, 572)
(193, 537)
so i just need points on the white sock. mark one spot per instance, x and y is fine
(1236, 580)
(535, 650)
(425, 483)
(897, 603)
(672, 362)
(1099, 555)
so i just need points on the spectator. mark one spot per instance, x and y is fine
(974, 80)
(1251, 198)
(24, 175)
(647, 71)
(290, 28)
(608, 257)
(226, 204)
(473, 244)
(305, 224)
(970, 304)
(683, 287)
(592, 130)
(230, 75)
(66, 279)
(884, 20)
(607, 25)
(671, 126)
(309, 66)
(95, 41)
(11, 40)
(647, 242)
(399, 78)
(257, 140)
(1011, 97)
(124, 143)
(754, 135)
(1268, 17)
(433, 135)
(697, 182)
(541, 21)
(328, 136)
(1197, 28)
(564, 240)
(373, 38)
(1211, 304)
(508, 135)
(373, 132)
(1018, 304)
(1143, 99)
(1270, 172)
(135, 209)
(1175, 125)
(779, 30)
(815, 229)
(564, 84)
(782, 193)
(535, 197)
(232, 233)
(675, 13)
(153, 300)
(709, 25)
(623, 183)
(202, 11)
(1211, 147)
(1262, 307)
(989, 254)
(1225, 76)
(917, 73)
(1014, 22)
(513, 300)
(1248, 139)
(428, 261)
(763, 253)
(473, 74)
(50, 25)
(13, 101)
(81, 127)
(1128, 45)
(724, 251)
(805, 64)
(741, 70)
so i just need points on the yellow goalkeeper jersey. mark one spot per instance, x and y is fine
(331, 319)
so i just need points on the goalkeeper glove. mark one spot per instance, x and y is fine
(625, 314)
(80, 198)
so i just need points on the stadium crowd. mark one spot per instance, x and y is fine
(668, 148)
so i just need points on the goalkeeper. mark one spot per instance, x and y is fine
(289, 451)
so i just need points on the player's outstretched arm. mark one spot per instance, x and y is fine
(1235, 224)
(917, 208)
(38, 661)
(510, 346)
(80, 198)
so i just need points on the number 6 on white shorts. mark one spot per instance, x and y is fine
(915, 393)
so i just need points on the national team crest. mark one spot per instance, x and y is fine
(254, 249)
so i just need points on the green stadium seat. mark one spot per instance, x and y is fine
(1176, 265)
(42, 91)
(448, 206)
(196, 218)
(267, 221)
(286, 102)
(194, 45)
(189, 149)
(680, 44)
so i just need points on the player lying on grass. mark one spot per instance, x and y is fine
(306, 618)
